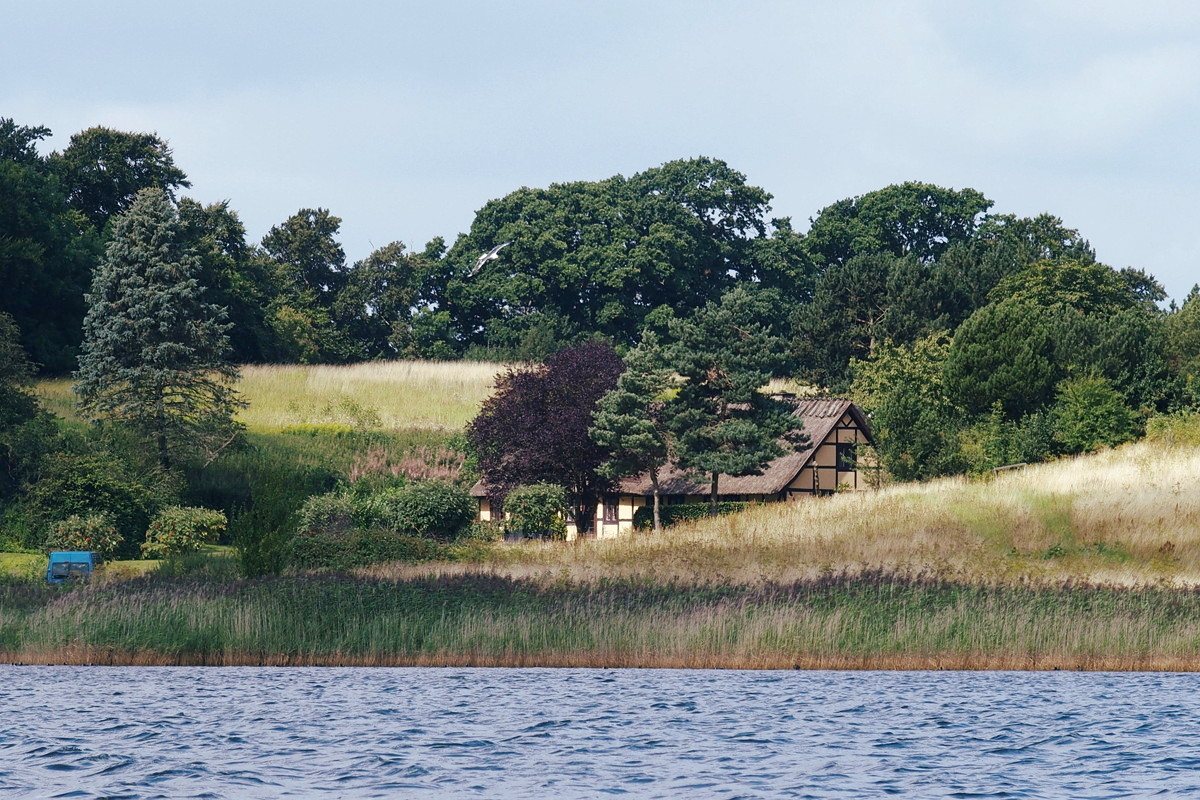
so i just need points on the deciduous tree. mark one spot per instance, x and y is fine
(102, 170)
(534, 428)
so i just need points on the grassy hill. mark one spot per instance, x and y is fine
(1089, 563)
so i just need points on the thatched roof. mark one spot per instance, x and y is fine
(819, 417)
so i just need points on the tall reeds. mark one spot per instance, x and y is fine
(868, 619)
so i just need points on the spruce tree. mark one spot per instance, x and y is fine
(154, 352)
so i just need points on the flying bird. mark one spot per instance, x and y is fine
(490, 255)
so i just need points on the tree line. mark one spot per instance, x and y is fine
(973, 339)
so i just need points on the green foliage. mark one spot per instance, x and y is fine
(154, 352)
(236, 277)
(536, 511)
(262, 529)
(182, 529)
(605, 257)
(1003, 353)
(633, 421)
(725, 356)
(997, 441)
(1175, 430)
(97, 532)
(1183, 337)
(328, 513)
(103, 170)
(431, 509)
(917, 219)
(1090, 414)
(359, 548)
(86, 484)
(309, 270)
(1084, 285)
(643, 518)
(47, 251)
(913, 421)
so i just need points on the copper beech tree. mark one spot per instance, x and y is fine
(534, 428)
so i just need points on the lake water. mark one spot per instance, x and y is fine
(100, 732)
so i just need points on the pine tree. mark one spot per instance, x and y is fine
(725, 424)
(633, 420)
(154, 353)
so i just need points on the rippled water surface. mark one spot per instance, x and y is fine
(96, 732)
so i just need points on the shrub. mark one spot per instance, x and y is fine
(91, 484)
(1175, 430)
(96, 532)
(359, 549)
(1091, 414)
(330, 513)
(182, 529)
(643, 518)
(432, 509)
(537, 510)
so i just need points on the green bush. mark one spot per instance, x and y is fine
(482, 532)
(643, 518)
(536, 511)
(329, 513)
(1175, 430)
(182, 529)
(432, 509)
(83, 485)
(360, 548)
(96, 532)
(1090, 414)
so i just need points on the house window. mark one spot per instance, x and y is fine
(845, 457)
(611, 509)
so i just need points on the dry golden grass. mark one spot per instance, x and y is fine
(1129, 516)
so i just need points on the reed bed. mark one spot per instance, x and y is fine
(864, 620)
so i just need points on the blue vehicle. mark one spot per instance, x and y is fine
(71, 565)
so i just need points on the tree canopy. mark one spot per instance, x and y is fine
(154, 351)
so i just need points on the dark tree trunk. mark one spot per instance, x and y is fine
(585, 515)
(160, 414)
(712, 498)
(654, 488)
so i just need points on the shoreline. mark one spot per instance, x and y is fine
(899, 662)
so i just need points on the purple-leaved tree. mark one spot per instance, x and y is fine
(534, 428)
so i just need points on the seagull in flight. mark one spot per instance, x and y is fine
(490, 255)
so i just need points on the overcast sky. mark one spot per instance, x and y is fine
(405, 118)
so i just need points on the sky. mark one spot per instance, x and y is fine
(404, 118)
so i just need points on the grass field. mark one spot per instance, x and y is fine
(381, 395)
(1129, 516)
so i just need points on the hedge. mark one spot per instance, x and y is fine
(643, 518)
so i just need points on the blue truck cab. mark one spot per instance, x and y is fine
(71, 565)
